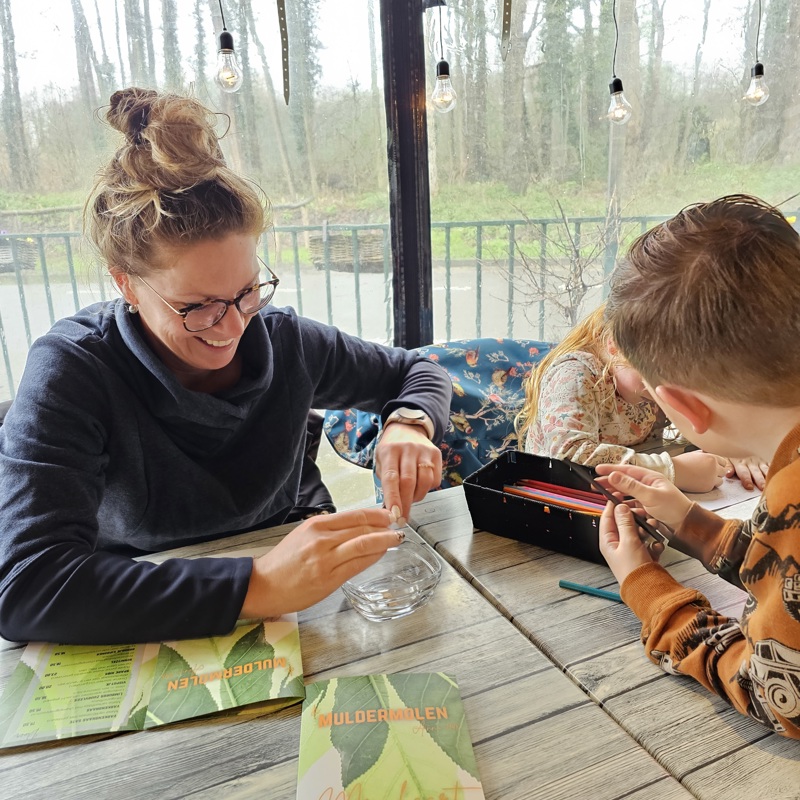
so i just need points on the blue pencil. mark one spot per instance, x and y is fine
(579, 587)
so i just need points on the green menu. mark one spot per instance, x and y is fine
(386, 737)
(59, 691)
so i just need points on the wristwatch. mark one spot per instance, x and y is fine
(412, 416)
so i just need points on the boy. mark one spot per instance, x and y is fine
(706, 306)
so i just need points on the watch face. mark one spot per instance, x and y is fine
(410, 413)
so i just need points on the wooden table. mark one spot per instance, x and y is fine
(712, 750)
(536, 734)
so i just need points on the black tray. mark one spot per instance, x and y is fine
(545, 525)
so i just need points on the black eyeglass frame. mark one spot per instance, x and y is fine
(274, 281)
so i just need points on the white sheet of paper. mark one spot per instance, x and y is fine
(731, 491)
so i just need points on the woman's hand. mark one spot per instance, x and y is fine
(620, 543)
(316, 558)
(698, 471)
(408, 466)
(750, 471)
(656, 494)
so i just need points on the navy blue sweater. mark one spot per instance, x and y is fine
(104, 455)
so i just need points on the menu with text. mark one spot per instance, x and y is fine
(60, 691)
(386, 737)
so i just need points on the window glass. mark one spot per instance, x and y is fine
(533, 188)
(321, 159)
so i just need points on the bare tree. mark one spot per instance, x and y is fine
(137, 55)
(84, 53)
(305, 71)
(148, 41)
(173, 75)
(20, 169)
(562, 265)
(104, 70)
(119, 43)
(475, 70)
(200, 65)
(516, 143)
(689, 117)
(272, 105)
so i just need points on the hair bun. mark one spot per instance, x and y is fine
(130, 111)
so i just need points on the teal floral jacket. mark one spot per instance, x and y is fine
(488, 393)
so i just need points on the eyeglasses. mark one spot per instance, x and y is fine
(201, 316)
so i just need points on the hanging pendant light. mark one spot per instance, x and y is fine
(757, 93)
(619, 110)
(443, 98)
(229, 75)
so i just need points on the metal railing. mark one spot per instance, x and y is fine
(491, 277)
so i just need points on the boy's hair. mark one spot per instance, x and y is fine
(710, 300)
(589, 336)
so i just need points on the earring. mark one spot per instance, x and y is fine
(133, 309)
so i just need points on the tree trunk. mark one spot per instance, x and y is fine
(137, 57)
(779, 56)
(305, 72)
(119, 44)
(21, 171)
(272, 106)
(104, 71)
(149, 49)
(684, 141)
(84, 52)
(787, 145)
(517, 165)
(173, 75)
(246, 103)
(376, 100)
(201, 32)
(475, 69)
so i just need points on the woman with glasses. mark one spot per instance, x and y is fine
(178, 414)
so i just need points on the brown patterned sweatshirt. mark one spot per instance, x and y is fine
(752, 662)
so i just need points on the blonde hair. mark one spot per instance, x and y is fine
(592, 335)
(167, 185)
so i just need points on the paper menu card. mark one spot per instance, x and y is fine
(60, 691)
(386, 737)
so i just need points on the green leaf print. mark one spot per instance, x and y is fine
(16, 687)
(250, 687)
(179, 702)
(359, 746)
(439, 690)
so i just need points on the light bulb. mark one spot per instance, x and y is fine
(229, 73)
(619, 111)
(443, 98)
(757, 93)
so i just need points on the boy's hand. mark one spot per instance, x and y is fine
(620, 543)
(698, 471)
(659, 497)
(750, 471)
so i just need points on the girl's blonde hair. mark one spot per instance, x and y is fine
(592, 335)
(167, 185)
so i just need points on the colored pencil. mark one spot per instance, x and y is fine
(579, 587)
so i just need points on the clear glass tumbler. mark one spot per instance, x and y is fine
(401, 582)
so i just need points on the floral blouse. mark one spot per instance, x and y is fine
(581, 417)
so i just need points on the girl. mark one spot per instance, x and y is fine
(586, 404)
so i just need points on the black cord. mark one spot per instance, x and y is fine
(616, 39)
(441, 42)
(222, 14)
(758, 28)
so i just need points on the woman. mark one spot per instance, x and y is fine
(178, 414)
